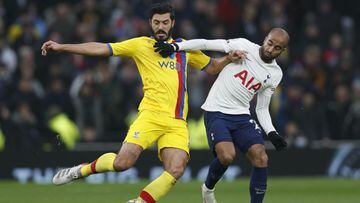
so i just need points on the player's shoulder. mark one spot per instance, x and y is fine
(242, 41)
(143, 38)
(134, 40)
(277, 72)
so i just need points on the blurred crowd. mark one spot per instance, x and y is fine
(63, 98)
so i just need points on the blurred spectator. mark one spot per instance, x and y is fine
(27, 136)
(295, 137)
(336, 112)
(351, 127)
(85, 95)
(8, 58)
(311, 117)
(62, 21)
(58, 97)
(111, 96)
(27, 29)
(328, 19)
(28, 91)
(4, 82)
(249, 25)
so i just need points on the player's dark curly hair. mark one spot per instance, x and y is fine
(161, 8)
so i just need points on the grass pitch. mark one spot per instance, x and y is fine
(280, 190)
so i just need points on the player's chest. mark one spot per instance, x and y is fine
(249, 76)
(174, 63)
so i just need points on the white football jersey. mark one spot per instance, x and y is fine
(237, 83)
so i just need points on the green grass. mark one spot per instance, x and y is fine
(280, 190)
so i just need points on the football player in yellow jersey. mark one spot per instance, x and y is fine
(163, 109)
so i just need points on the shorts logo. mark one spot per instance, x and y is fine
(256, 125)
(136, 134)
(212, 136)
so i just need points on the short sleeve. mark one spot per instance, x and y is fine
(124, 48)
(199, 60)
(238, 44)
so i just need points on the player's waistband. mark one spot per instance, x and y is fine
(159, 112)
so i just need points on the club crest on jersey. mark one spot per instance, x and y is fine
(136, 134)
(248, 81)
(267, 78)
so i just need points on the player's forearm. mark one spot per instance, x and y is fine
(89, 49)
(217, 65)
(203, 44)
(263, 114)
(264, 118)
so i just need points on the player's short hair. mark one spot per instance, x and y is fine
(161, 8)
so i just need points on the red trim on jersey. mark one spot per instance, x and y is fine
(93, 166)
(180, 88)
(147, 197)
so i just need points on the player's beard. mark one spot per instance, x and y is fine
(168, 34)
(266, 56)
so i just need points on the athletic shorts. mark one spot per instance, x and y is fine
(151, 127)
(242, 130)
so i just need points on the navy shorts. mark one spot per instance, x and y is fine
(242, 130)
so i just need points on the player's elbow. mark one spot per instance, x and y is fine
(261, 110)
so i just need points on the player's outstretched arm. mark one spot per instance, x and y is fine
(166, 49)
(219, 45)
(219, 64)
(89, 49)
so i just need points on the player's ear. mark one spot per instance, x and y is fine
(150, 23)
(173, 23)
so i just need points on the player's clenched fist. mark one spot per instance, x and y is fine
(165, 49)
(50, 45)
(237, 56)
(278, 141)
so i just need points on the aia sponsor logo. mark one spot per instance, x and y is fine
(248, 81)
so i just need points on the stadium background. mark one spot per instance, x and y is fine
(61, 109)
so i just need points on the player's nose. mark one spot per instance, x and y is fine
(162, 26)
(271, 49)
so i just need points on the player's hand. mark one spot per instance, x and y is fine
(238, 56)
(278, 141)
(165, 49)
(50, 45)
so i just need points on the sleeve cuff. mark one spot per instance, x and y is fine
(207, 65)
(110, 49)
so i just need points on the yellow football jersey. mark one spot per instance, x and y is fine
(164, 79)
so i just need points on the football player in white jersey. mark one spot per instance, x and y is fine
(227, 116)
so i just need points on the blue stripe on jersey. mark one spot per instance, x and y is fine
(110, 49)
(183, 90)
